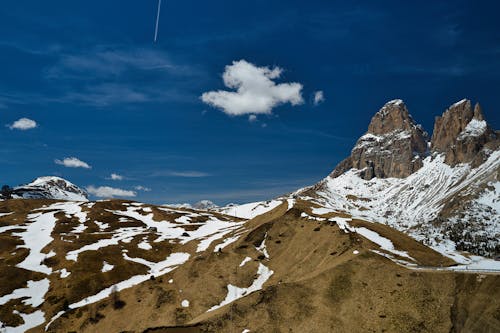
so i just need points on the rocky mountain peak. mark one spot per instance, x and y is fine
(461, 133)
(478, 112)
(50, 187)
(450, 124)
(394, 145)
(391, 117)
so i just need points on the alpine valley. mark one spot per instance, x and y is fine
(402, 236)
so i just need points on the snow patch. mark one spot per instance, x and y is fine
(106, 267)
(101, 225)
(474, 128)
(35, 237)
(234, 293)
(156, 269)
(144, 245)
(491, 197)
(309, 217)
(64, 273)
(322, 211)
(30, 320)
(226, 242)
(244, 261)
(384, 243)
(262, 247)
(34, 293)
(250, 210)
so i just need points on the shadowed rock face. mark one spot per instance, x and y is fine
(394, 145)
(461, 133)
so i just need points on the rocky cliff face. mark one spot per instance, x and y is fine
(461, 133)
(451, 195)
(394, 145)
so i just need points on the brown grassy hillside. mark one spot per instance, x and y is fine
(324, 279)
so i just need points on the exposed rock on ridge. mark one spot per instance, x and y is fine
(461, 133)
(394, 145)
(454, 196)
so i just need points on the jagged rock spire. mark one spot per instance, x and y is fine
(461, 133)
(478, 112)
(394, 145)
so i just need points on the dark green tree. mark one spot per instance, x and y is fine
(6, 192)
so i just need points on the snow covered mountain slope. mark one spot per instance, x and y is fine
(450, 203)
(416, 204)
(50, 187)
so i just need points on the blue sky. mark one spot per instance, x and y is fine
(100, 90)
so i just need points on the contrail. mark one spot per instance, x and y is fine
(157, 20)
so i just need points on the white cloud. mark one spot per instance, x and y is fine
(73, 162)
(256, 92)
(23, 124)
(142, 188)
(252, 118)
(319, 97)
(115, 176)
(180, 173)
(105, 75)
(109, 192)
(188, 174)
(105, 61)
(108, 94)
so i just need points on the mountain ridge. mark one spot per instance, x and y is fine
(399, 245)
(395, 145)
(50, 187)
(439, 195)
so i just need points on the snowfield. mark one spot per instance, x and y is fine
(251, 210)
(411, 203)
(384, 243)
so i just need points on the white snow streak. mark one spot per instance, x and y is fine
(234, 293)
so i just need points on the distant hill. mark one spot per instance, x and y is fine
(50, 187)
